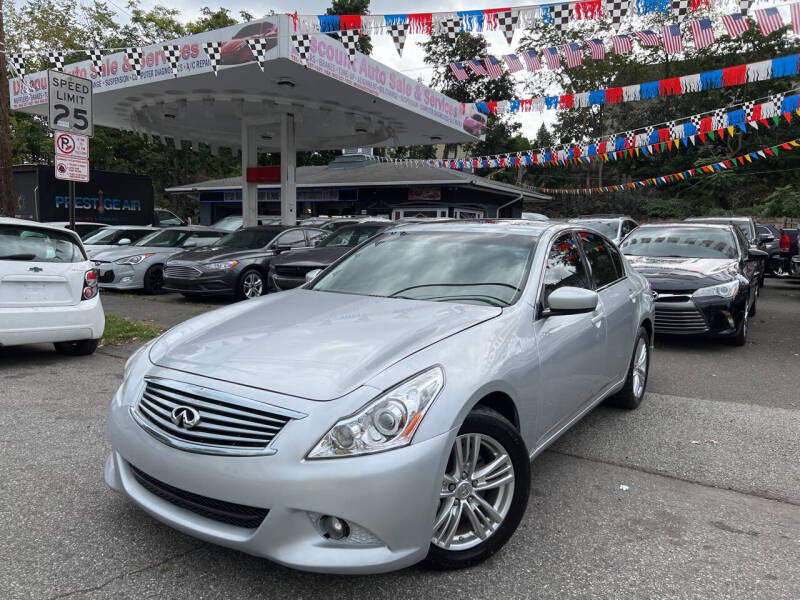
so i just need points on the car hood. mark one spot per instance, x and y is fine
(310, 344)
(311, 256)
(116, 254)
(683, 274)
(216, 253)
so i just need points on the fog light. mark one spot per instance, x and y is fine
(334, 528)
(126, 279)
(729, 317)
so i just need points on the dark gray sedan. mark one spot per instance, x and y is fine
(237, 264)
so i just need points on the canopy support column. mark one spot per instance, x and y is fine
(288, 171)
(249, 190)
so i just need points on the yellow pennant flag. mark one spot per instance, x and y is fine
(730, 130)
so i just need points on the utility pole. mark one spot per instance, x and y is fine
(6, 170)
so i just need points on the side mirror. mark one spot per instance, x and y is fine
(124, 242)
(315, 242)
(756, 254)
(765, 238)
(282, 248)
(312, 275)
(571, 301)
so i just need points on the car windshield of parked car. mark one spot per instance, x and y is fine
(32, 244)
(607, 228)
(112, 236)
(681, 242)
(229, 223)
(462, 267)
(744, 226)
(249, 239)
(168, 238)
(349, 237)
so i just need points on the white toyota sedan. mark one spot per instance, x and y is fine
(48, 288)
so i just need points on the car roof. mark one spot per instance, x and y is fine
(687, 224)
(595, 219)
(136, 227)
(515, 226)
(719, 219)
(65, 223)
(14, 221)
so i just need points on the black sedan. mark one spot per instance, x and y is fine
(237, 264)
(289, 271)
(704, 277)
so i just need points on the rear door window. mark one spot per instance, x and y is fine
(34, 244)
(295, 238)
(605, 269)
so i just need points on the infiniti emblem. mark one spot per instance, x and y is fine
(185, 416)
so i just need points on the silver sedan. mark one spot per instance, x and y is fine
(386, 412)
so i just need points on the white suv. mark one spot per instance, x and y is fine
(615, 227)
(48, 288)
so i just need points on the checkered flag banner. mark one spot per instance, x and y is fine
(349, 39)
(507, 22)
(18, 63)
(302, 43)
(96, 58)
(616, 11)
(719, 118)
(258, 46)
(556, 15)
(173, 54)
(777, 103)
(649, 132)
(399, 31)
(696, 122)
(213, 51)
(451, 28)
(56, 58)
(135, 57)
(748, 109)
(681, 7)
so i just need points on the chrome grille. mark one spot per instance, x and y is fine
(181, 272)
(688, 320)
(228, 424)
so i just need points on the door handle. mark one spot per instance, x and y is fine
(597, 321)
(633, 296)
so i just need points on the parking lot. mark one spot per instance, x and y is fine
(694, 495)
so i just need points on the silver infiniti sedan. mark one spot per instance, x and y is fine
(387, 411)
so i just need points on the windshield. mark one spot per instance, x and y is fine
(462, 267)
(249, 238)
(349, 237)
(607, 228)
(33, 244)
(681, 242)
(112, 236)
(744, 226)
(231, 223)
(166, 238)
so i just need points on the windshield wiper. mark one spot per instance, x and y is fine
(18, 257)
(415, 287)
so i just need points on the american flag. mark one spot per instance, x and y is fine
(532, 61)
(769, 20)
(458, 71)
(476, 67)
(552, 58)
(622, 44)
(735, 24)
(597, 49)
(493, 67)
(673, 42)
(572, 52)
(794, 10)
(513, 63)
(703, 33)
(647, 37)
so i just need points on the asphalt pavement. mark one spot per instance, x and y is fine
(694, 495)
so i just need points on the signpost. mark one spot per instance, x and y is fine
(72, 121)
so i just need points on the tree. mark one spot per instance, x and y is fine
(353, 7)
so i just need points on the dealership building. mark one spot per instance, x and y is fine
(358, 184)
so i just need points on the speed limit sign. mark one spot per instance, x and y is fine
(70, 103)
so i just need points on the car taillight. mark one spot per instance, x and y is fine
(89, 284)
(785, 242)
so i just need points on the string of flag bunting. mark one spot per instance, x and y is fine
(763, 70)
(723, 165)
(644, 141)
(703, 33)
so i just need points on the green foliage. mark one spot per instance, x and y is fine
(783, 202)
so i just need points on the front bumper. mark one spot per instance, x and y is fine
(114, 276)
(390, 497)
(207, 284)
(45, 324)
(684, 315)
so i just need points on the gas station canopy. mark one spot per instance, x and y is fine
(272, 102)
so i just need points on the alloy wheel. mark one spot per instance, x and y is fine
(476, 494)
(252, 285)
(640, 368)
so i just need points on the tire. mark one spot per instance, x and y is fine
(252, 284)
(79, 348)
(509, 499)
(740, 337)
(154, 280)
(632, 393)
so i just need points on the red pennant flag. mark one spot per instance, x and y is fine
(741, 160)
(702, 137)
(788, 117)
(786, 146)
(769, 151)
(728, 164)
(764, 122)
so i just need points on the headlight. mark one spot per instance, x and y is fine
(387, 422)
(133, 358)
(133, 260)
(218, 266)
(724, 290)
